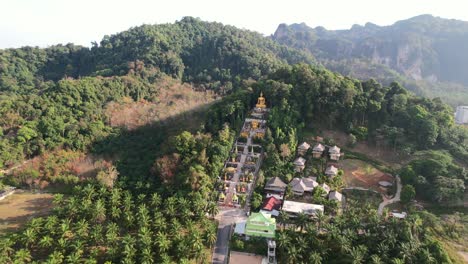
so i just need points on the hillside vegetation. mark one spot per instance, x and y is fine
(128, 101)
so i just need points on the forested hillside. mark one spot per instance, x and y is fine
(153, 194)
(56, 96)
(427, 53)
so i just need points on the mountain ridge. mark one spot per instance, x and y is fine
(421, 49)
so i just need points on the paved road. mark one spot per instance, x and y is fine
(226, 218)
(395, 199)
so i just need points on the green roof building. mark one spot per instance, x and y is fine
(260, 225)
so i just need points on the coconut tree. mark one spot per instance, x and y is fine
(301, 220)
(129, 250)
(112, 233)
(22, 256)
(55, 258)
(375, 259)
(82, 228)
(163, 242)
(147, 255)
(29, 237)
(283, 218)
(210, 237)
(358, 254)
(6, 246)
(99, 213)
(46, 242)
(155, 200)
(213, 209)
(292, 255)
(315, 258)
(74, 257)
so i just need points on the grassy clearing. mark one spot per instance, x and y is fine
(22, 206)
(360, 197)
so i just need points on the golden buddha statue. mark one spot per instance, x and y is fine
(254, 124)
(261, 101)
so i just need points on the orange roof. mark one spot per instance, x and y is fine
(271, 203)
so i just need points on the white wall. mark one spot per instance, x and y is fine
(461, 116)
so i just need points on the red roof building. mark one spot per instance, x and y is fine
(271, 203)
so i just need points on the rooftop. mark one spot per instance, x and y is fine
(334, 195)
(306, 208)
(275, 182)
(303, 184)
(319, 148)
(331, 170)
(334, 150)
(299, 161)
(271, 203)
(304, 146)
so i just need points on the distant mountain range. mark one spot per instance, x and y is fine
(427, 54)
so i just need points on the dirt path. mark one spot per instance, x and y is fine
(395, 199)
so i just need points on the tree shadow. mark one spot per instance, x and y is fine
(134, 151)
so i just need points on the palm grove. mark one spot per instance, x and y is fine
(158, 210)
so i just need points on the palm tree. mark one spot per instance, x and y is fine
(210, 237)
(115, 212)
(155, 200)
(375, 259)
(398, 261)
(320, 218)
(36, 224)
(283, 218)
(358, 254)
(50, 225)
(58, 200)
(74, 257)
(147, 255)
(6, 246)
(112, 232)
(82, 228)
(46, 242)
(29, 237)
(284, 240)
(163, 242)
(129, 250)
(22, 256)
(293, 256)
(315, 258)
(99, 211)
(301, 220)
(213, 209)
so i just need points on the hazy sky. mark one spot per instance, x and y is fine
(47, 22)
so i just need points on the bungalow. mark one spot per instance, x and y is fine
(317, 151)
(295, 208)
(260, 225)
(271, 205)
(301, 185)
(331, 171)
(335, 196)
(299, 164)
(335, 153)
(275, 187)
(303, 148)
(325, 187)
